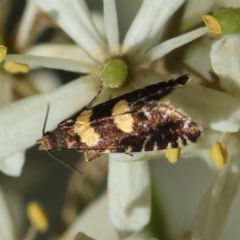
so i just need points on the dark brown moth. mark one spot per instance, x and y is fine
(134, 122)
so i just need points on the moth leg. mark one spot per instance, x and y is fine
(148, 138)
(130, 154)
(91, 158)
(86, 157)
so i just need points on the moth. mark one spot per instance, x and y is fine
(134, 122)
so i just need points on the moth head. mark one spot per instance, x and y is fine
(46, 142)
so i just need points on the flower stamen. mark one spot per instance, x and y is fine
(219, 154)
(223, 21)
(37, 216)
(212, 24)
(173, 154)
(13, 67)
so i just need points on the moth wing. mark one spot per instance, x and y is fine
(160, 126)
(155, 126)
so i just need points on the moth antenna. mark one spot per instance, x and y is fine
(50, 153)
(45, 120)
(62, 162)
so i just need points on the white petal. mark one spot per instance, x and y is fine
(44, 80)
(97, 18)
(26, 24)
(214, 208)
(152, 15)
(129, 196)
(197, 58)
(51, 62)
(169, 45)
(7, 230)
(111, 26)
(93, 221)
(21, 122)
(12, 165)
(73, 17)
(225, 61)
(208, 107)
(68, 51)
(6, 83)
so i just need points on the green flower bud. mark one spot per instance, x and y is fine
(114, 73)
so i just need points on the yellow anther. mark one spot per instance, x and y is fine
(37, 216)
(212, 24)
(173, 154)
(13, 67)
(3, 52)
(219, 154)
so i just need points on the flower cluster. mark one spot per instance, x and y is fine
(213, 102)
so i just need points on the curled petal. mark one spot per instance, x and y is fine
(88, 223)
(13, 165)
(129, 196)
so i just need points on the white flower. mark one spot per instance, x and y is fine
(215, 207)
(93, 50)
(75, 19)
